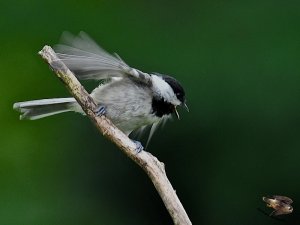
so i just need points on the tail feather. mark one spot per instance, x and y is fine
(37, 109)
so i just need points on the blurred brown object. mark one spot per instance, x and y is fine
(280, 204)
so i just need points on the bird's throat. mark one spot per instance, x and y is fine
(160, 107)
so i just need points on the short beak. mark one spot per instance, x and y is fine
(177, 114)
(186, 107)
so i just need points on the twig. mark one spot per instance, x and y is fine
(150, 164)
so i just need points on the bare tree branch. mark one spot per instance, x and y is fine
(150, 164)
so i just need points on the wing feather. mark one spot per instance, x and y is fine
(284, 199)
(87, 60)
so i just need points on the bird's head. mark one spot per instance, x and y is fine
(170, 91)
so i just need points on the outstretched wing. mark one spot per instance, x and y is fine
(89, 61)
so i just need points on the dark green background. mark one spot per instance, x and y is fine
(239, 63)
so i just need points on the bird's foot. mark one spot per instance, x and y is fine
(100, 110)
(138, 146)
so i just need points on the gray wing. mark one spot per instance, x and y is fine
(150, 128)
(89, 61)
(284, 199)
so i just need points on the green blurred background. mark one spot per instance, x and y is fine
(239, 63)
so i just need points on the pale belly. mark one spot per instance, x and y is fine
(128, 105)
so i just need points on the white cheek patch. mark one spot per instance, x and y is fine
(163, 89)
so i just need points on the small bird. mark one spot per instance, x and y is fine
(130, 98)
(280, 204)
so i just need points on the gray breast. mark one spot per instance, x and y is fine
(128, 103)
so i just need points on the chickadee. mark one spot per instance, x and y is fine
(130, 98)
(280, 204)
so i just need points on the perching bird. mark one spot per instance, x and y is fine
(280, 204)
(130, 98)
